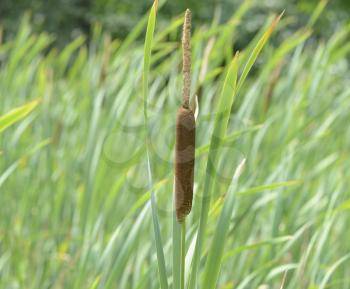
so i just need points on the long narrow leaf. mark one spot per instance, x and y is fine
(17, 114)
(146, 68)
(213, 264)
(256, 51)
(225, 103)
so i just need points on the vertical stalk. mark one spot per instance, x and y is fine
(183, 253)
(184, 160)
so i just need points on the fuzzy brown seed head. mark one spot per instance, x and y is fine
(184, 162)
(185, 133)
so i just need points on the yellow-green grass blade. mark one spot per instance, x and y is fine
(135, 33)
(256, 51)
(17, 114)
(332, 269)
(215, 255)
(146, 69)
(221, 121)
(317, 12)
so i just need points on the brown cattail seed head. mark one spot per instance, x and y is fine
(184, 161)
(185, 132)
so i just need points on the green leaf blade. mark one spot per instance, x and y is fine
(17, 114)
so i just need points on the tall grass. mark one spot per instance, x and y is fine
(78, 208)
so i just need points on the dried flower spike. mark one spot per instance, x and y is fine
(185, 133)
(186, 59)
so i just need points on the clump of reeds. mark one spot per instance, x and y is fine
(185, 133)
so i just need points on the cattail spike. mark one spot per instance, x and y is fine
(186, 59)
(184, 162)
(185, 133)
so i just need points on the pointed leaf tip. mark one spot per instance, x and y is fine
(240, 169)
(282, 13)
(276, 21)
(155, 5)
(278, 18)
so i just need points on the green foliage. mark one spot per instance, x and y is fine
(79, 207)
(67, 19)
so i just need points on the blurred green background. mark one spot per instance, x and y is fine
(74, 192)
(65, 19)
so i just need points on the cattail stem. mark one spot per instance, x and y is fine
(183, 254)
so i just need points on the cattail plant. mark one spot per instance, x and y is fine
(185, 160)
(185, 133)
(184, 145)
